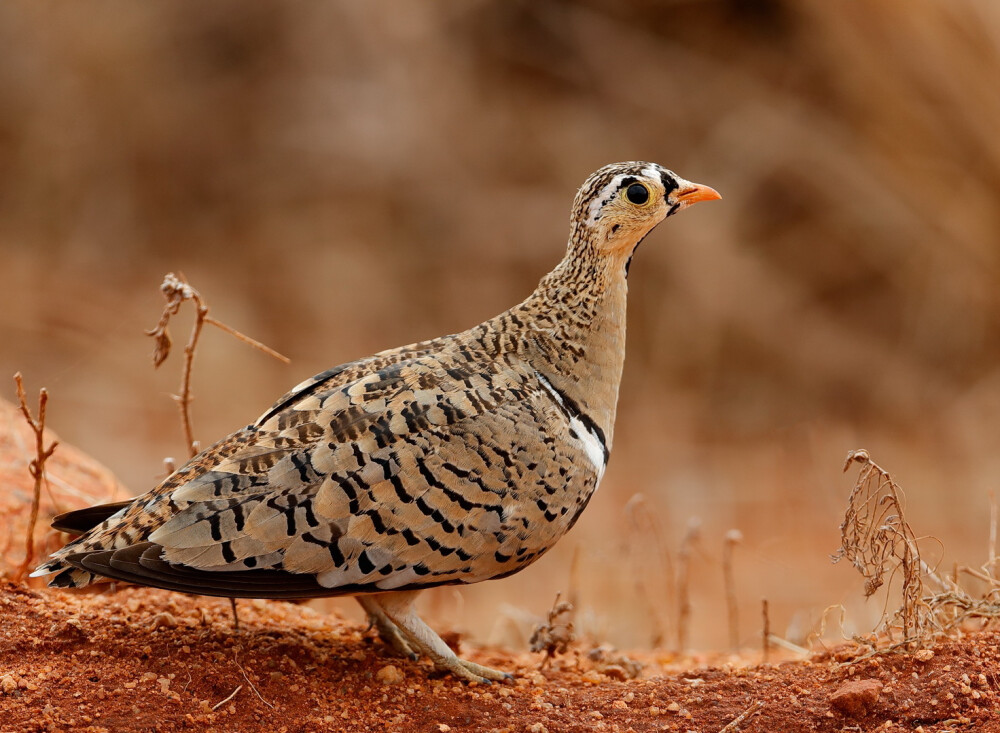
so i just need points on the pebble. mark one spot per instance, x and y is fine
(856, 698)
(389, 675)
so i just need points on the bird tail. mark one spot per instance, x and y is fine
(78, 522)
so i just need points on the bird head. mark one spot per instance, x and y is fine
(620, 203)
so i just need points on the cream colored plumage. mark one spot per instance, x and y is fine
(455, 460)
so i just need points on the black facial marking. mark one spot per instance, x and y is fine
(669, 184)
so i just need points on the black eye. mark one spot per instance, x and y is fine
(637, 194)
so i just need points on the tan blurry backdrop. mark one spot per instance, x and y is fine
(338, 178)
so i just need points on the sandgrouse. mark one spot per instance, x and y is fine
(448, 461)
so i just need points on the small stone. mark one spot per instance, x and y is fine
(8, 684)
(389, 675)
(856, 698)
(673, 707)
(924, 655)
(537, 728)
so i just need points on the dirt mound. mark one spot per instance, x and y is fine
(147, 660)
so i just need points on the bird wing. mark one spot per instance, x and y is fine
(435, 467)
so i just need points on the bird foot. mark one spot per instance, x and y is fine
(470, 671)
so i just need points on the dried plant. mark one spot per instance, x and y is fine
(177, 290)
(765, 634)
(876, 538)
(36, 467)
(613, 664)
(654, 579)
(556, 633)
(691, 538)
(733, 537)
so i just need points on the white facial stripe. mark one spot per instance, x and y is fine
(592, 444)
(594, 210)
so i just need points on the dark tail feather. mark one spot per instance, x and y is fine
(83, 520)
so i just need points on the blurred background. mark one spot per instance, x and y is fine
(338, 178)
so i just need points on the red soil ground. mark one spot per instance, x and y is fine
(145, 660)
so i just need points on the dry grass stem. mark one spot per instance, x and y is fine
(249, 682)
(227, 699)
(733, 537)
(766, 631)
(691, 537)
(991, 556)
(735, 723)
(36, 467)
(176, 290)
(653, 571)
(554, 635)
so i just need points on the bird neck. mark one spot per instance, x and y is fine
(572, 331)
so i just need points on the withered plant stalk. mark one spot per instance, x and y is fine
(733, 537)
(875, 537)
(556, 633)
(36, 467)
(691, 536)
(651, 564)
(766, 631)
(176, 290)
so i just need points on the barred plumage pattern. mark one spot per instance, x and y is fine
(455, 460)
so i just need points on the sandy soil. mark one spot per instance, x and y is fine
(145, 660)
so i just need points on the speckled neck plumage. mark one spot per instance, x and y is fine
(572, 330)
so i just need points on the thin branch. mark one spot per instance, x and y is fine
(176, 290)
(734, 724)
(766, 630)
(36, 467)
(691, 536)
(252, 686)
(246, 339)
(231, 696)
(732, 538)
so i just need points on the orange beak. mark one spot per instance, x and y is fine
(694, 193)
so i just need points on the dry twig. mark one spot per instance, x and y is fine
(651, 564)
(36, 467)
(691, 537)
(252, 685)
(735, 723)
(732, 538)
(176, 290)
(227, 699)
(555, 634)
(766, 632)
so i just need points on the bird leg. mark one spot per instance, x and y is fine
(388, 632)
(398, 608)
